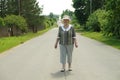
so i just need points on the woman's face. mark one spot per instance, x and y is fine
(65, 21)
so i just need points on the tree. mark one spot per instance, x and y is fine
(113, 26)
(12, 7)
(15, 22)
(80, 10)
(3, 8)
(97, 21)
(83, 8)
(97, 4)
(67, 12)
(29, 9)
(1, 22)
(31, 12)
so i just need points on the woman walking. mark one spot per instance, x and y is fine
(67, 39)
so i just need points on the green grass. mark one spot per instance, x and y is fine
(99, 37)
(9, 42)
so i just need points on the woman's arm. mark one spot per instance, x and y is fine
(58, 38)
(56, 43)
(75, 41)
(74, 37)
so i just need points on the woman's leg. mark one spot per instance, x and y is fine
(63, 56)
(69, 55)
(69, 65)
(63, 66)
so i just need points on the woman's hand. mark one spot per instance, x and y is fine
(57, 40)
(55, 46)
(76, 45)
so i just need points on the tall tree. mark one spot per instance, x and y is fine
(96, 4)
(80, 10)
(67, 12)
(3, 8)
(31, 11)
(1, 22)
(113, 27)
(12, 7)
(83, 8)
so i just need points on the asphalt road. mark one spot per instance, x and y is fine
(37, 59)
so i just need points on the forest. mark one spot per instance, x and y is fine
(99, 16)
(21, 16)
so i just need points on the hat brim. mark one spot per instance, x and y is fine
(66, 19)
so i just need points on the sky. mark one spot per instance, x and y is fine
(55, 6)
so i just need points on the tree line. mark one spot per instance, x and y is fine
(99, 15)
(23, 16)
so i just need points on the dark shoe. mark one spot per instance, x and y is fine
(63, 70)
(69, 69)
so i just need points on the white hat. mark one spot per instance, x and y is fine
(66, 17)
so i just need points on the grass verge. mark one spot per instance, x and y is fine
(99, 37)
(9, 42)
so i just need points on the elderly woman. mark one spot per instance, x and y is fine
(66, 38)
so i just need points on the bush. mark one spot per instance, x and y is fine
(102, 18)
(2, 22)
(93, 23)
(75, 23)
(15, 21)
(98, 21)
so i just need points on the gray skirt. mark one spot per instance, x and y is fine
(66, 53)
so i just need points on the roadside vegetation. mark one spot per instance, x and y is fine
(97, 26)
(22, 20)
(99, 20)
(10, 42)
(112, 41)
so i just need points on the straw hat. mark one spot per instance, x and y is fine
(66, 17)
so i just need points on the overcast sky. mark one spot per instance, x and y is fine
(55, 6)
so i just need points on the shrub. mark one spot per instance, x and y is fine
(15, 21)
(93, 23)
(2, 22)
(98, 21)
(102, 18)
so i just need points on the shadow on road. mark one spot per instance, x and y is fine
(59, 74)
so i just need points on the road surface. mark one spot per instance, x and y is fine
(37, 59)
